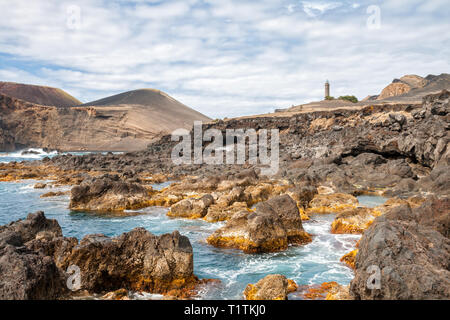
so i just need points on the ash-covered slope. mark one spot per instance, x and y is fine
(125, 122)
(414, 88)
(153, 109)
(42, 95)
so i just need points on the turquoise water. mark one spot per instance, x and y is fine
(313, 263)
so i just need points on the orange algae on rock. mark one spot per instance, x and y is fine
(292, 286)
(271, 287)
(274, 225)
(248, 246)
(349, 258)
(319, 292)
(331, 203)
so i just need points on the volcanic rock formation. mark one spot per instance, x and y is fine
(34, 257)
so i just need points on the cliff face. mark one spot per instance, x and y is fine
(418, 131)
(24, 124)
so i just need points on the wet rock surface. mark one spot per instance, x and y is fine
(273, 225)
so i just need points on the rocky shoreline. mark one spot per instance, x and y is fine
(400, 151)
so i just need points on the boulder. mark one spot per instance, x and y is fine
(353, 220)
(274, 225)
(109, 193)
(25, 273)
(28, 275)
(271, 287)
(411, 249)
(191, 208)
(137, 260)
(218, 213)
(286, 209)
(331, 203)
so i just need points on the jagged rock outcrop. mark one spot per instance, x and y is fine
(271, 287)
(34, 257)
(393, 90)
(274, 225)
(109, 193)
(136, 260)
(411, 248)
(25, 273)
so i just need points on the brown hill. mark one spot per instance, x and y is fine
(42, 95)
(151, 110)
(414, 87)
(134, 120)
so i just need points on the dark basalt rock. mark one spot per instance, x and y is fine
(411, 248)
(108, 193)
(25, 273)
(135, 260)
(34, 257)
(34, 224)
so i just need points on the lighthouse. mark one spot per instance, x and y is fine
(327, 89)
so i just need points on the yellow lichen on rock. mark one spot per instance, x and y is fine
(354, 220)
(303, 214)
(315, 292)
(271, 287)
(292, 286)
(327, 291)
(349, 258)
(339, 292)
(331, 203)
(246, 245)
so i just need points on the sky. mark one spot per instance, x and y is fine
(224, 58)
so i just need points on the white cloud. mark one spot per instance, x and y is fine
(316, 8)
(225, 58)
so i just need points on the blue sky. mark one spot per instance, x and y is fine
(222, 57)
